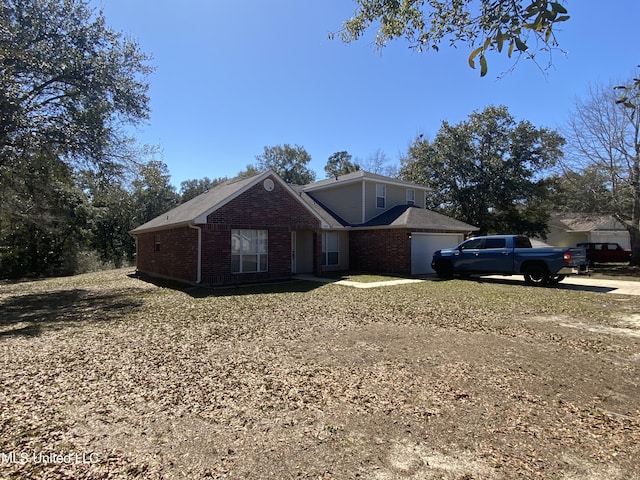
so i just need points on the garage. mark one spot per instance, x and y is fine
(423, 245)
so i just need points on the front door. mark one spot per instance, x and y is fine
(302, 251)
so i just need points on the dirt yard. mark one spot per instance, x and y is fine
(108, 376)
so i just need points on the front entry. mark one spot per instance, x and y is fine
(302, 251)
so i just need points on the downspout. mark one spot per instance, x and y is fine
(199, 267)
(364, 204)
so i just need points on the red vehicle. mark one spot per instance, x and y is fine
(606, 253)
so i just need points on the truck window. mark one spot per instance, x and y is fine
(471, 244)
(522, 242)
(495, 243)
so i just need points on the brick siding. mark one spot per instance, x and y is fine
(176, 257)
(380, 251)
(278, 212)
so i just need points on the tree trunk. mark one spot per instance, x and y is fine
(634, 233)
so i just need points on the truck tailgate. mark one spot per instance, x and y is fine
(579, 260)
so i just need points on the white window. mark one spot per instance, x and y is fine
(249, 251)
(156, 244)
(330, 248)
(381, 196)
(411, 196)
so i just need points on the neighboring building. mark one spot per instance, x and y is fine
(261, 228)
(569, 229)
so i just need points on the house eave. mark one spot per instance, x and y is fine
(439, 228)
(159, 228)
(202, 218)
(363, 179)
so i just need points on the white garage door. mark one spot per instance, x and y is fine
(423, 245)
(621, 238)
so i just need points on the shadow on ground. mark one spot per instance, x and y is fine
(32, 314)
(258, 288)
(560, 286)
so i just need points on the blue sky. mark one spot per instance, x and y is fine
(234, 77)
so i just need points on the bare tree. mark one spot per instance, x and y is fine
(604, 133)
(378, 162)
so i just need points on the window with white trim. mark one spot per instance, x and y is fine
(330, 249)
(249, 251)
(381, 196)
(411, 196)
(156, 243)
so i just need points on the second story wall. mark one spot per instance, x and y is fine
(393, 195)
(359, 197)
(344, 200)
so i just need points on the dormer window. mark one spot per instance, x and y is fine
(381, 196)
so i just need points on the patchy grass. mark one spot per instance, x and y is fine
(434, 380)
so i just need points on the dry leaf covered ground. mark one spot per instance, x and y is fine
(108, 376)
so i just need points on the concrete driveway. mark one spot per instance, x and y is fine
(622, 287)
(587, 284)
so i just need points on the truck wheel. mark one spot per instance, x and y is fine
(536, 275)
(444, 270)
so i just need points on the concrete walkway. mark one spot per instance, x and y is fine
(350, 283)
(580, 283)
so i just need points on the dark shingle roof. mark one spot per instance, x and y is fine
(196, 209)
(187, 212)
(414, 217)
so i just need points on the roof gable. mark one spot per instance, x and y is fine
(196, 210)
(358, 177)
(584, 222)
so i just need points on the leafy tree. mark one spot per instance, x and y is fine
(43, 218)
(153, 193)
(487, 171)
(192, 188)
(340, 164)
(483, 25)
(68, 86)
(67, 82)
(249, 171)
(290, 162)
(583, 191)
(604, 134)
(111, 214)
(629, 94)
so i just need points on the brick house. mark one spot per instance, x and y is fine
(261, 228)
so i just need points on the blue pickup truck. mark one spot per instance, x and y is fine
(510, 255)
